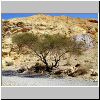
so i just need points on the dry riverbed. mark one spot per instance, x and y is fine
(37, 80)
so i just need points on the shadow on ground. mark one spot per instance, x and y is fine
(15, 73)
(9, 73)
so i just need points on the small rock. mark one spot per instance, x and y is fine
(58, 72)
(94, 74)
(77, 65)
(21, 70)
(68, 71)
(15, 57)
(9, 63)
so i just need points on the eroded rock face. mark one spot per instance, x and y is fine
(87, 39)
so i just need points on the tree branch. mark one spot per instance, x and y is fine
(39, 56)
(42, 58)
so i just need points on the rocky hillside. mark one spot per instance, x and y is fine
(81, 29)
(43, 24)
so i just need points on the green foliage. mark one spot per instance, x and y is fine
(5, 22)
(56, 41)
(24, 39)
(63, 44)
(55, 45)
(52, 43)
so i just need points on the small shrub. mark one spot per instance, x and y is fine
(39, 67)
(20, 24)
(4, 23)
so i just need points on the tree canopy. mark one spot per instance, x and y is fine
(48, 45)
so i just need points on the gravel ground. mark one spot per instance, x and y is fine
(39, 81)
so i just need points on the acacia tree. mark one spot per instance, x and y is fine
(48, 45)
(24, 39)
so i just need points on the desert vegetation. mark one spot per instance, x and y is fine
(57, 46)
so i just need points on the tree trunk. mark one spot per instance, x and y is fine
(56, 62)
(48, 69)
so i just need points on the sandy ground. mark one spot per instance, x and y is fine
(26, 81)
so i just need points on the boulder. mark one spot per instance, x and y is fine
(87, 39)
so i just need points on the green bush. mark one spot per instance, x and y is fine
(24, 39)
(51, 42)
